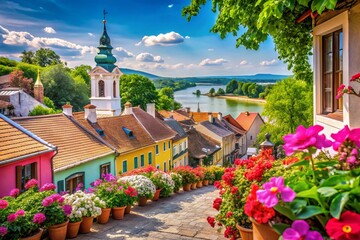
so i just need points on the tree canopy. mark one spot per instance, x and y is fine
(42, 57)
(17, 79)
(256, 20)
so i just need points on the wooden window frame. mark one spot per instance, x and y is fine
(142, 160)
(73, 176)
(20, 180)
(108, 164)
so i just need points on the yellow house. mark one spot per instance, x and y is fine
(135, 146)
(159, 132)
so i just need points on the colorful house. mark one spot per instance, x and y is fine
(82, 156)
(158, 131)
(23, 156)
(135, 146)
(251, 122)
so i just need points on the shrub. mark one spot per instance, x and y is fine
(177, 181)
(143, 185)
(186, 174)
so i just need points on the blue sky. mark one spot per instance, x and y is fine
(150, 36)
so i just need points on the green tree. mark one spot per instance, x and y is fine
(46, 57)
(198, 92)
(40, 110)
(167, 91)
(212, 91)
(231, 86)
(245, 88)
(7, 62)
(138, 90)
(30, 70)
(27, 57)
(259, 19)
(82, 71)
(17, 79)
(220, 91)
(49, 103)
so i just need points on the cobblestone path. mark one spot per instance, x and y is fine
(181, 216)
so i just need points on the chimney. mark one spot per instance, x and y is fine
(220, 116)
(187, 109)
(247, 113)
(211, 118)
(128, 109)
(90, 113)
(67, 109)
(150, 109)
(39, 89)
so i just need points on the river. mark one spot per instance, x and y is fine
(213, 104)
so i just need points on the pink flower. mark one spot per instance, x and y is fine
(340, 91)
(3, 204)
(47, 187)
(12, 217)
(3, 231)
(108, 177)
(14, 192)
(300, 231)
(67, 209)
(79, 186)
(39, 218)
(269, 196)
(96, 183)
(20, 212)
(346, 134)
(355, 77)
(31, 183)
(89, 190)
(304, 138)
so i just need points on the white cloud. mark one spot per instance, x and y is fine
(91, 35)
(210, 49)
(167, 39)
(148, 57)
(215, 62)
(243, 62)
(187, 37)
(170, 6)
(49, 30)
(25, 38)
(123, 53)
(268, 63)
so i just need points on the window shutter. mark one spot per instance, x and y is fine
(34, 170)
(60, 186)
(19, 177)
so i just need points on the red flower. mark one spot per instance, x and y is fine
(229, 214)
(217, 203)
(234, 190)
(237, 162)
(211, 221)
(355, 77)
(229, 176)
(347, 227)
(217, 184)
(230, 233)
(130, 191)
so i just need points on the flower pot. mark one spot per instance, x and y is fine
(199, 184)
(118, 212)
(128, 209)
(142, 201)
(245, 233)
(206, 182)
(36, 236)
(73, 229)
(86, 224)
(58, 231)
(156, 195)
(104, 217)
(193, 186)
(187, 187)
(263, 231)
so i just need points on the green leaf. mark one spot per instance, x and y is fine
(334, 180)
(326, 164)
(327, 191)
(284, 210)
(338, 203)
(311, 193)
(280, 227)
(355, 191)
(309, 211)
(320, 5)
(300, 186)
(300, 163)
(297, 205)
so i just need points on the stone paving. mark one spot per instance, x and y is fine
(181, 216)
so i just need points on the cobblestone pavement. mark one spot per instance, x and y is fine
(181, 216)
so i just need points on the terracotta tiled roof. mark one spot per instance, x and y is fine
(18, 143)
(202, 116)
(217, 128)
(175, 114)
(174, 125)
(233, 121)
(157, 130)
(75, 145)
(200, 145)
(115, 135)
(231, 124)
(246, 119)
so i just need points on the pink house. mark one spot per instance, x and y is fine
(23, 156)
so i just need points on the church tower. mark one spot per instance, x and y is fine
(39, 89)
(105, 79)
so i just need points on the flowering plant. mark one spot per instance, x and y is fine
(186, 174)
(177, 181)
(143, 185)
(349, 90)
(199, 173)
(209, 175)
(55, 210)
(217, 171)
(164, 182)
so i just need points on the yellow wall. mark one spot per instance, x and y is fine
(184, 158)
(129, 158)
(163, 156)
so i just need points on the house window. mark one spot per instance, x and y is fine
(136, 164)
(169, 144)
(164, 146)
(114, 89)
(150, 158)
(332, 71)
(169, 165)
(180, 148)
(185, 144)
(124, 166)
(157, 149)
(158, 166)
(24, 174)
(101, 88)
(73, 181)
(104, 169)
(174, 150)
(142, 160)
(165, 167)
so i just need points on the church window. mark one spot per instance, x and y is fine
(101, 88)
(114, 89)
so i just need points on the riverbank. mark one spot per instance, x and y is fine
(239, 98)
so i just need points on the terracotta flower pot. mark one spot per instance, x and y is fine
(263, 231)
(86, 224)
(104, 217)
(58, 231)
(156, 195)
(73, 229)
(193, 186)
(118, 212)
(142, 201)
(36, 236)
(206, 182)
(245, 233)
(187, 187)
(199, 184)
(128, 209)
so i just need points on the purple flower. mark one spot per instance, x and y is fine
(3, 204)
(108, 177)
(67, 209)
(96, 183)
(20, 212)
(304, 138)
(269, 196)
(89, 190)
(31, 183)
(63, 193)
(39, 218)
(3, 231)
(79, 186)
(346, 134)
(12, 217)
(47, 187)
(14, 192)
(300, 231)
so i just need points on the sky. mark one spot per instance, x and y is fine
(149, 36)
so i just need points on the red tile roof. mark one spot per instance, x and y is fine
(202, 116)
(176, 115)
(233, 122)
(246, 119)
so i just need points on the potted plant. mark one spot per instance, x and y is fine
(143, 185)
(164, 182)
(209, 176)
(131, 195)
(199, 173)
(177, 181)
(188, 177)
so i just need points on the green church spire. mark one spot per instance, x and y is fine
(105, 58)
